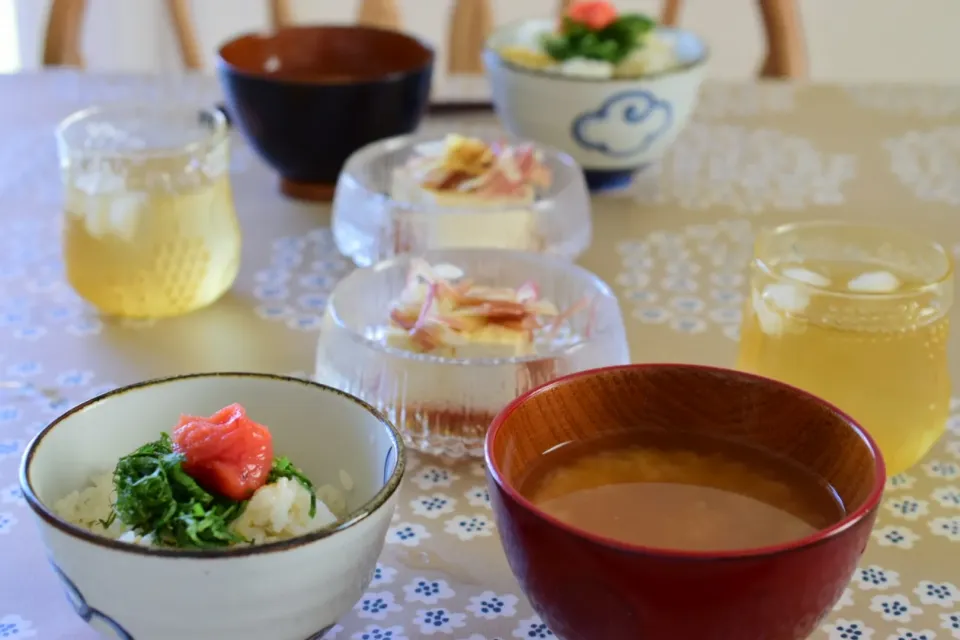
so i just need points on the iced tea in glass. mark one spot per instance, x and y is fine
(149, 223)
(858, 315)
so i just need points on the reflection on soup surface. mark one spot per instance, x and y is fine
(682, 491)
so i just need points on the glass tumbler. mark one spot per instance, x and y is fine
(858, 315)
(443, 405)
(149, 223)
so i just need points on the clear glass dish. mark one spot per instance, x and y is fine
(369, 225)
(444, 405)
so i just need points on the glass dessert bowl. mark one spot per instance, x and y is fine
(441, 343)
(411, 194)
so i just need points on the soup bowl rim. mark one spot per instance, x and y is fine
(46, 512)
(870, 504)
(226, 64)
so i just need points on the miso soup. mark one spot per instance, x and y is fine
(681, 491)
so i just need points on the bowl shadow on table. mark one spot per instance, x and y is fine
(444, 555)
(226, 336)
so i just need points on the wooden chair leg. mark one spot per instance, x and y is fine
(786, 53)
(62, 40)
(670, 15)
(470, 25)
(379, 13)
(186, 34)
(280, 14)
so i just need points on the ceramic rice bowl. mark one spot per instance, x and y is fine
(612, 127)
(293, 589)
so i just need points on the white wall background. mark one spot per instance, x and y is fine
(9, 42)
(849, 40)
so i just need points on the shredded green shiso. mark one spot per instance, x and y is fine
(155, 496)
(611, 44)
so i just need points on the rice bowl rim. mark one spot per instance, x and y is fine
(75, 531)
(491, 53)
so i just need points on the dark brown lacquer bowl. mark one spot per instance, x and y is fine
(307, 97)
(586, 587)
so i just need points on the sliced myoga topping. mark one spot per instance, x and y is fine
(440, 308)
(470, 165)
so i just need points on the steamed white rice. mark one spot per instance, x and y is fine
(658, 54)
(277, 511)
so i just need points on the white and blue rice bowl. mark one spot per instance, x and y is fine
(613, 127)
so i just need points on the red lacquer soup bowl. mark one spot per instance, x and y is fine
(587, 587)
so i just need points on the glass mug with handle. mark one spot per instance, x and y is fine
(858, 315)
(150, 228)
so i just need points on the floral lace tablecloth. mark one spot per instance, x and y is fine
(675, 246)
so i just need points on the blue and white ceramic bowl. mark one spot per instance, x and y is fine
(612, 127)
(285, 590)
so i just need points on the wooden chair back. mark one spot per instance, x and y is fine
(62, 41)
(470, 23)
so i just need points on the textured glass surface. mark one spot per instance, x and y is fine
(369, 225)
(149, 223)
(444, 405)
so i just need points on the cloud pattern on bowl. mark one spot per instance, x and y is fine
(106, 626)
(601, 130)
(613, 127)
(109, 628)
